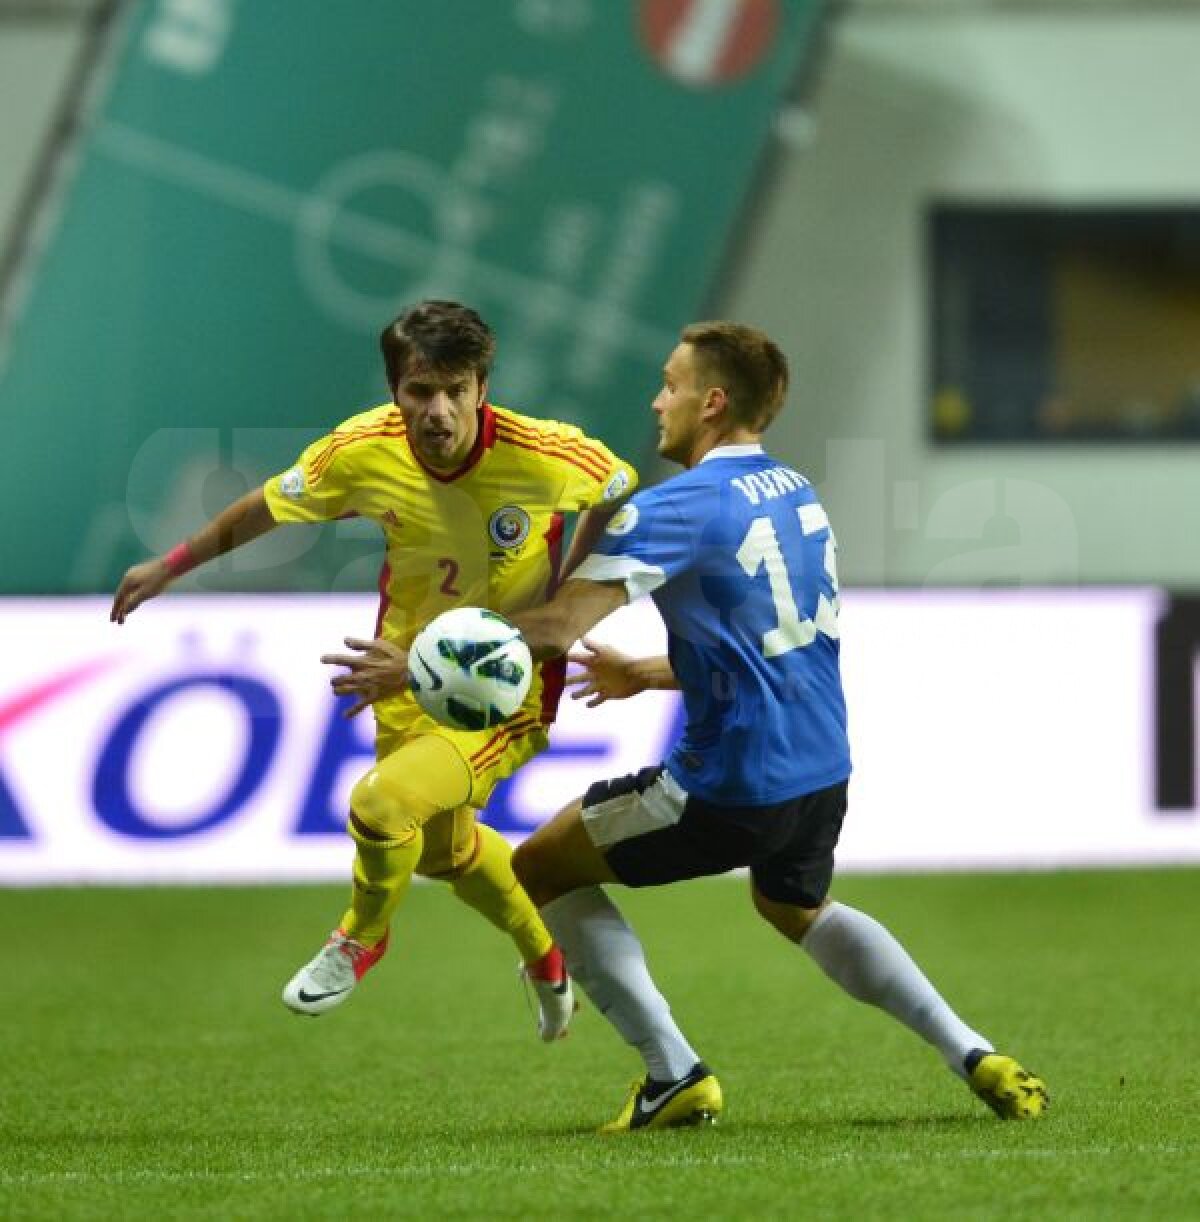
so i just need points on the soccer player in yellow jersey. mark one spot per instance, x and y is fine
(470, 497)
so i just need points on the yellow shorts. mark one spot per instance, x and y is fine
(490, 757)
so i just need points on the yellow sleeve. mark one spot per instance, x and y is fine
(594, 474)
(319, 486)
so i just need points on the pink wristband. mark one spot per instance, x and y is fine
(179, 559)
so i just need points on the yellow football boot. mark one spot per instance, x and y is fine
(1010, 1090)
(694, 1099)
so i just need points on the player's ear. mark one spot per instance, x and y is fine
(715, 402)
(483, 385)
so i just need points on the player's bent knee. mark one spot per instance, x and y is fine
(527, 865)
(388, 809)
(534, 863)
(559, 858)
(370, 806)
(789, 919)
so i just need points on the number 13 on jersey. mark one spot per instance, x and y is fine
(760, 549)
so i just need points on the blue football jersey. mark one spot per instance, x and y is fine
(739, 557)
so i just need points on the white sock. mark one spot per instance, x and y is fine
(605, 957)
(858, 953)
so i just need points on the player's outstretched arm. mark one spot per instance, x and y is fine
(609, 674)
(551, 629)
(246, 519)
(588, 530)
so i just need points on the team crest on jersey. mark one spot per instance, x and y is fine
(623, 521)
(509, 526)
(291, 483)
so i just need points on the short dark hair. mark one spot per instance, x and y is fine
(443, 335)
(747, 364)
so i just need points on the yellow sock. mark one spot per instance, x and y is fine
(489, 885)
(383, 870)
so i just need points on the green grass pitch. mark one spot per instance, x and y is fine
(150, 1070)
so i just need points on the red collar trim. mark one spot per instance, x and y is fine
(485, 438)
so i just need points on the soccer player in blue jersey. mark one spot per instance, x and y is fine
(739, 558)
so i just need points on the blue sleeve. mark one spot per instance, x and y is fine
(648, 542)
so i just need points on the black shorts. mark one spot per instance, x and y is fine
(651, 831)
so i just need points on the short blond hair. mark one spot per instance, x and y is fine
(747, 364)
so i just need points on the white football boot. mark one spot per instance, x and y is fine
(329, 978)
(555, 997)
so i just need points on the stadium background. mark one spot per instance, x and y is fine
(198, 257)
(971, 224)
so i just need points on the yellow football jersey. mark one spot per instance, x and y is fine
(486, 535)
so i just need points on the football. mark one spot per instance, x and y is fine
(469, 668)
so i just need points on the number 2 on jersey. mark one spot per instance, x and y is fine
(451, 569)
(760, 549)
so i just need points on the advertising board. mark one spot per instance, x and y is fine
(200, 742)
